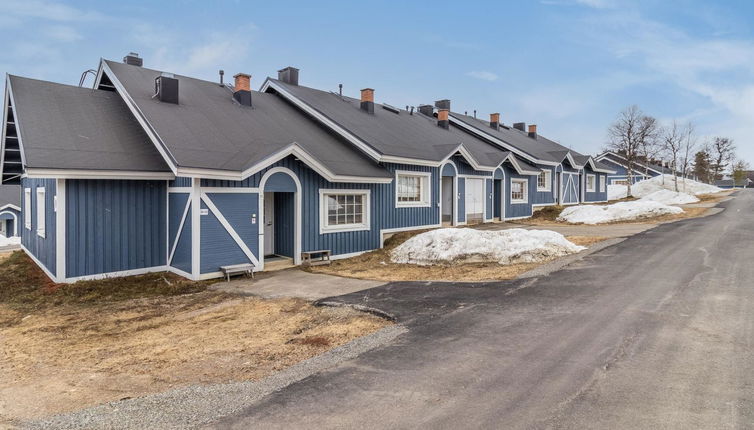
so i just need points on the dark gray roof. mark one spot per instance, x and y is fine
(10, 194)
(67, 127)
(619, 160)
(209, 130)
(395, 134)
(540, 148)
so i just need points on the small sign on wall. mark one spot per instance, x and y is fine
(203, 211)
(253, 218)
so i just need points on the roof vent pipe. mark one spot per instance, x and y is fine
(166, 88)
(133, 59)
(533, 131)
(289, 75)
(426, 110)
(495, 121)
(519, 125)
(367, 100)
(242, 89)
(222, 73)
(442, 118)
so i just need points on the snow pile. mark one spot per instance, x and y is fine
(622, 211)
(651, 185)
(7, 241)
(668, 197)
(463, 245)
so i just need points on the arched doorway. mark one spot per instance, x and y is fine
(280, 209)
(9, 223)
(498, 194)
(448, 199)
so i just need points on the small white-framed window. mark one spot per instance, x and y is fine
(519, 190)
(41, 212)
(412, 189)
(544, 180)
(603, 187)
(591, 183)
(27, 208)
(343, 210)
(619, 182)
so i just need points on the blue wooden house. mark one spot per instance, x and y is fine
(641, 169)
(153, 171)
(10, 210)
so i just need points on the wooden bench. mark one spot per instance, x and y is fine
(323, 254)
(236, 269)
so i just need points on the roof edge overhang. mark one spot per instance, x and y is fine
(137, 113)
(519, 168)
(8, 98)
(461, 149)
(593, 166)
(35, 172)
(10, 206)
(500, 142)
(606, 153)
(292, 149)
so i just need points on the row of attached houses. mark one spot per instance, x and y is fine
(10, 210)
(152, 171)
(641, 169)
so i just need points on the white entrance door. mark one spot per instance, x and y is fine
(269, 223)
(474, 200)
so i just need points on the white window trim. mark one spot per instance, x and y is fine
(525, 182)
(365, 225)
(548, 181)
(593, 188)
(41, 211)
(27, 208)
(426, 189)
(603, 186)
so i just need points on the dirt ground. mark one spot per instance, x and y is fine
(377, 265)
(77, 354)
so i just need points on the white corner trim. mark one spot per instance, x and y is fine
(229, 228)
(60, 226)
(39, 263)
(323, 214)
(196, 227)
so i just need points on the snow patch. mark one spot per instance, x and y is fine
(651, 185)
(668, 197)
(463, 245)
(622, 211)
(7, 241)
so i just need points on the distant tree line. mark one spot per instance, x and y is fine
(641, 139)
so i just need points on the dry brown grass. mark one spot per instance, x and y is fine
(74, 354)
(377, 265)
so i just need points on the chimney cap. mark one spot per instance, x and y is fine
(287, 68)
(242, 75)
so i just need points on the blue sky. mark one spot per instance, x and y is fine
(567, 65)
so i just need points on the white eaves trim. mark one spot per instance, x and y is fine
(9, 98)
(96, 174)
(573, 162)
(138, 114)
(594, 167)
(519, 169)
(10, 206)
(638, 163)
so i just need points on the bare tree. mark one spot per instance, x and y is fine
(630, 131)
(672, 141)
(722, 151)
(687, 150)
(738, 172)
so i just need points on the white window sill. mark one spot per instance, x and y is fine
(413, 205)
(547, 190)
(518, 202)
(343, 228)
(42, 234)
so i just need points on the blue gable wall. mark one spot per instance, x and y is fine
(383, 213)
(518, 210)
(597, 195)
(113, 226)
(544, 197)
(621, 173)
(43, 248)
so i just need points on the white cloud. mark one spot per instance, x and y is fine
(46, 10)
(62, 33)
(595, 4)
(483, 75)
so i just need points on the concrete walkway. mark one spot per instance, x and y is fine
(294, 283)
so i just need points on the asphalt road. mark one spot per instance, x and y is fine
(655, 332)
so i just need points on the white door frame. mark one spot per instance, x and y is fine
(454, 215)
(269, 240)
(15, 221)
(297, 216)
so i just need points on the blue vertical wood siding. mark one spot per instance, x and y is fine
(217, 246)
(176, 207)
(517, 210)
(43, 248)
(383, 213)
(180, 182)
(115, 225)
(545, 197)
(183, 253)
(597, 195)
(285, 227)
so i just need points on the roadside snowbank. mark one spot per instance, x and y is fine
(649, 186)
(622, 211)
(668, 197)
(462, 245)
(7, 241)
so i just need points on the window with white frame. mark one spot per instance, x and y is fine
(591, 183)
(27, 208)
(412, 189)
(41, 212)
(344, 210)
(544, 180)
(603, 187)
(619, 182)
(519, 189)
